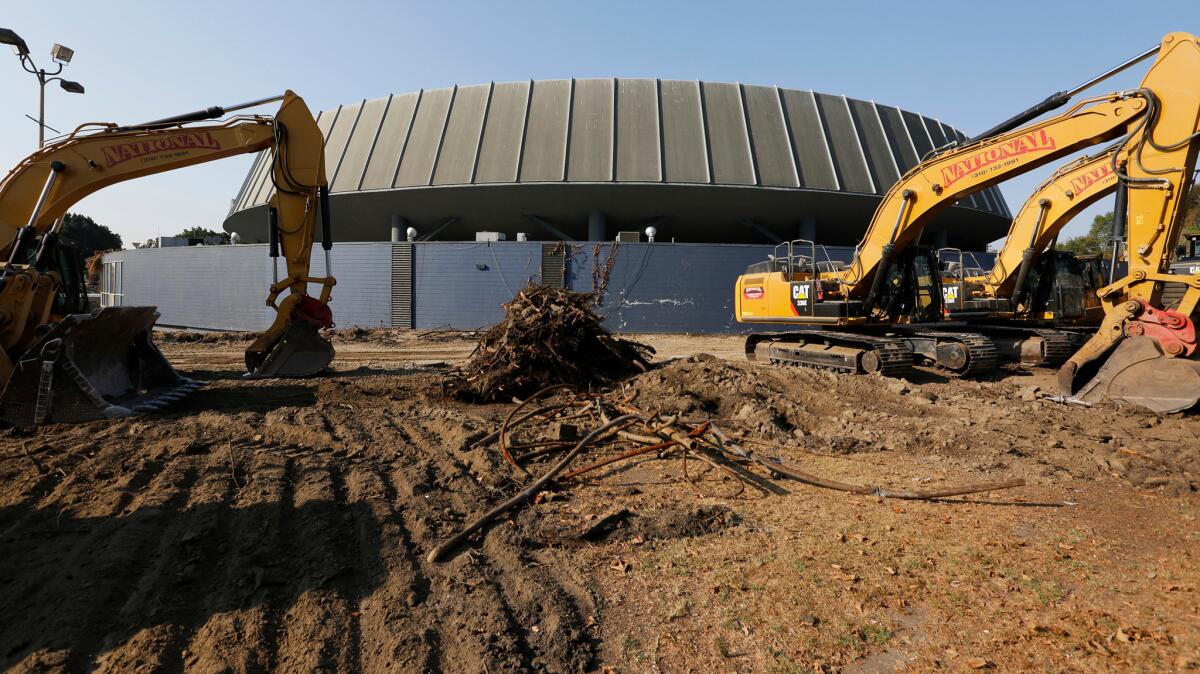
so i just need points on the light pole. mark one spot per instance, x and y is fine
(60, 55)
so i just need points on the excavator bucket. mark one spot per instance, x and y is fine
(1138, 373)
(300, 352)
(93, 366)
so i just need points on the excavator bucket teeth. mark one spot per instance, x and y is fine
(93, 366)
(1138, 373)
(300, 352)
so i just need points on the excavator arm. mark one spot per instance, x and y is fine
(36, 194)
(938, 183)
(43, 187)
(1143, 353)
(1037, 224)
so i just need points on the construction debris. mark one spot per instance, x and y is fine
(616, 421)
(548, 337)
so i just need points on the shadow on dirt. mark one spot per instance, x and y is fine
(74, 588)
(244, 399)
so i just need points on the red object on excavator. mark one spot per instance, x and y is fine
(1175, 332)
(310, 310)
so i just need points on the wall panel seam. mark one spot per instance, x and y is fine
(886, 143)
(346, 147)
(487, 109)
(837, 181)
(437, 153)
(858, 141)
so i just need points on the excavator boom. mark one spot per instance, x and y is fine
(938, 183)
(1037, 224)
(74, 367)
(1144, 354)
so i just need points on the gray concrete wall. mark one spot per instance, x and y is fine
(225, 287)
(659, 287)
(462, 285)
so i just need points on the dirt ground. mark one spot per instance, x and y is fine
(283, 526)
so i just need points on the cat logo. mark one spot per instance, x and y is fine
(950, 294)
(800, 294)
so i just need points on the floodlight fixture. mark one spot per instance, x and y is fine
(10, 38)
(61, 54)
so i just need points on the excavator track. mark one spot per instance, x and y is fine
(975, 355)
(1035, 347)
(833, 351)
(1057, 347)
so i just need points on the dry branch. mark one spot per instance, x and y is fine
(648, 433)
(529, 492)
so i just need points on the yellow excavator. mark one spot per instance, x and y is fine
(59, 364)
(1029, 280)
(1050, 294)
(879, 301)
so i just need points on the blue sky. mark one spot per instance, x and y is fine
(970, 64)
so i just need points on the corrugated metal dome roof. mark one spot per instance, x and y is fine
(614, 132)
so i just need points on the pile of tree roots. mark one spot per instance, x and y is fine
(548, 337)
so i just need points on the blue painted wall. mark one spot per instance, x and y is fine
(665, 287)
(652, 287)
(225, 287)
(462, 285)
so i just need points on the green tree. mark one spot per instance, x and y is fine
(88, 236)
(1098, 240)
(201, 233)
(1191, 213)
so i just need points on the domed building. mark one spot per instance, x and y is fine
(584, 159)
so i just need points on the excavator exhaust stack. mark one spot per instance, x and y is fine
(93, 366)
(1137, 372)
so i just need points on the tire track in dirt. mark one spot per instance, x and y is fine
(320, 630)
(145, 518)
(239, 627)
(184, 560)
(274, 539)
(393, 631)
(512, 595)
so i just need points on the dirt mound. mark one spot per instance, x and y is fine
(992, 426)
(548, 337)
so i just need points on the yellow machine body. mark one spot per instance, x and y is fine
(37, 193)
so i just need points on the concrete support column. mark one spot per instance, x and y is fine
(807, 229)
(597, 225)
(399, 226)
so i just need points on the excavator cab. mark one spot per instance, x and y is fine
(962, 294)
(1062, 287)
(72, 295)
(913, 291)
